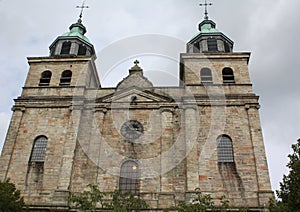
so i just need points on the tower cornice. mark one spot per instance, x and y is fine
(207, 56)
(59, 59)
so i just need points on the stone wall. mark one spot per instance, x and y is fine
(176, 153)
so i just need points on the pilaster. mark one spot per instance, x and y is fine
(69, 149)
(191, 133)
(264, 186)
(10, 141)
(99, 122)
(167, 153)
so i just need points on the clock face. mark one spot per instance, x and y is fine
(132, 130)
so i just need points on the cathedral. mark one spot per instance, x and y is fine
(160, 143)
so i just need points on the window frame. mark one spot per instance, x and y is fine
(228, 75)
(66, 77)
(206, 78)
(212, 45)
(82, 50)
(66, 48)
(39, 148)
(45, 78)
(225, 149)
(129, 182)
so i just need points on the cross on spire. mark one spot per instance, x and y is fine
(136, 62)
(82, 7)
(205, 5)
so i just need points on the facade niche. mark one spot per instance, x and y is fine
(66, 77)
(45, 78)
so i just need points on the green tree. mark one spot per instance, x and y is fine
(10, 198)
(122, 202)
(201, 202)
(204, 202)
(110, 201)
(87, 201)
(289, 193)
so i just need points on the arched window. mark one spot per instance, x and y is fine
(45, 78)
(66, 77)
(39, 150)
(206, 76)
(228, 76)
(66, 47)
(129, 177)
(212, 45)
(82, 50)
(225, 149)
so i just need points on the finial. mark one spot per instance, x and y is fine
(82, 7)
(135, 68)
(205, 5)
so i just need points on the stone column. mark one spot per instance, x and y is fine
(191, 123)
(10, 141)
(167, 154)
(264, 186)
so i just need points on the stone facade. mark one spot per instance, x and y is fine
(176, 152)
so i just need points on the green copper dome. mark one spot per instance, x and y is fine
(73, 43)
(207, 26)
(209, 39)
(77, 30)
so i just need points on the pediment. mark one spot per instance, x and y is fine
(135, 78)
(136, 95)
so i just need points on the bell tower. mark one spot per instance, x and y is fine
(41, 140)
(71, 62)
(219, 79)
(207, 52)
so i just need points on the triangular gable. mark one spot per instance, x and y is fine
(135, 94)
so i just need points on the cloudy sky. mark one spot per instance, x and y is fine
(269, 29)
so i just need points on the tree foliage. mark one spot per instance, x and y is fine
(122, 202)
(125, 202)
(204, 202)
(110, 201)
(87, 201)
(289, 193)
(201, 202)
(10, 198)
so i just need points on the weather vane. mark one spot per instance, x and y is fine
(205, 5)
(82, 7)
